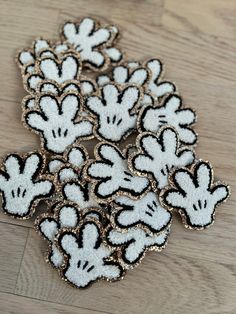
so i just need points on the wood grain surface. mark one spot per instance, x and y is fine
(196, 273)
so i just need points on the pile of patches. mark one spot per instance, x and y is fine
(104, 211)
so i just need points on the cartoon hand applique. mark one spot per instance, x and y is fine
(146, 212)
(128, 74)
(67, 69)
(55, 122)
(69, 166)
(87, 256)
(87, 37)
(135, 242)
(48, 225)
(152, 118)
(158, 155)
(112, 176)
(21, 185)
(115, 119)
(195, 196)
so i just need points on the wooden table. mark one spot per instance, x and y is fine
(196, 273)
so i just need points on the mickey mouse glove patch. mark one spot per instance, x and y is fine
(41, 47)
(55, 121)
(88, 258)
(65, 216)
(145, 212)
(93, 42)
(195, 195)
(114, 112)
(152, 118)
(22, 185)
(111, 177)
(53, 71)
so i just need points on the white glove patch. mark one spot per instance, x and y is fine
(111, 175)
(26, 58)
(88, 258)
(152, 118)
(145, 212)
(195, 195)
(87, 38)
(55, 122)
(79, 193)
(114, 112)
(22, 185)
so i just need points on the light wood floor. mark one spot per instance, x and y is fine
(196, 273)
